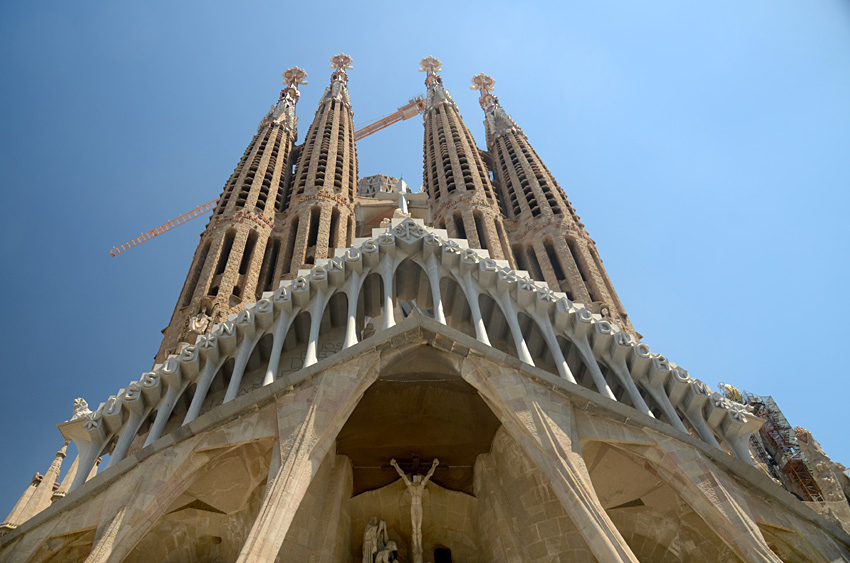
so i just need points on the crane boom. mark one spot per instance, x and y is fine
(413, 107)
(200, 210)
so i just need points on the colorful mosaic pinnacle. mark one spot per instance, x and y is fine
(292, 77)
(341, 61)
(484, 83)
(430, 65)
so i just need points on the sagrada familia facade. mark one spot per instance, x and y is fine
(354, 372)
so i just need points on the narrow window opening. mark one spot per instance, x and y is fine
(313, 237)
(225, 252)
(247, 254)
(290, 244)
(196, 275)
(458, 219)
(536, 271)
(478, 217)
(519, 256)
(333, 237)
(553, 259)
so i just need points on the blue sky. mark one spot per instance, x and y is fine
(705, 145)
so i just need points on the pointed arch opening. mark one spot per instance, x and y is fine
(575, 362)
(536, 343)
(412, 289)
(455, 307)
(496, 325)
(294, 346)
(370, 306)
(332, 327)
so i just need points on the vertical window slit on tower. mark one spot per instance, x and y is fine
(458, 219)
(480, 230)
(272, 252)
(290, 245)
(248, 252)
(225, 251)
(519, 257)
(333, 236)
(196, 274)
(536, 270)
(573, 245)
(313, 237)
(553, 258)
(503, 240)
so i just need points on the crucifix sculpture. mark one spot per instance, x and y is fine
(415, 489)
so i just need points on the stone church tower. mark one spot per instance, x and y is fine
(356, 373)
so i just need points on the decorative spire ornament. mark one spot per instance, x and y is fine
(484, 83)
(292, 78)
(432, 66)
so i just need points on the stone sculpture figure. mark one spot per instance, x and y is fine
(374, 538)
(386, 554)
(81, 408)
(370, 540)
(415, 489)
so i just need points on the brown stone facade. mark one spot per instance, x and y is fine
(463, 200)
(547, 237)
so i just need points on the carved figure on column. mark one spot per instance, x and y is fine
(415, 489)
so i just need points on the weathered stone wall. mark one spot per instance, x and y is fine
(321, 529)
(519, 516)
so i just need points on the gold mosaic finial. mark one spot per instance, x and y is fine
(341, 61)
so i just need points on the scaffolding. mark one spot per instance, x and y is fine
(783, 447)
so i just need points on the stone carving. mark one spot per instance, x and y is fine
(415, 489)
(386, 554)
(670, 386)
(375, 539)
(200, 323)
(81, 409)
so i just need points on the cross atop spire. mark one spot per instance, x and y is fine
(485, 83)
(432, 66)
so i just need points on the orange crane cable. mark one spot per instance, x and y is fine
(200, 210)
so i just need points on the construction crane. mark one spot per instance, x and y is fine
(413, 107)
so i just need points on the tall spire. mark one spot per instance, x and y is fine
(43, 493)
(547, 236)
(14, 519)
(455, 177)
(235, 262)
(320, 215)
(37, 495)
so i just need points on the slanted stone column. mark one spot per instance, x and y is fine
(542, 424)
(710, 493)
(309, 420)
